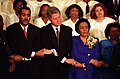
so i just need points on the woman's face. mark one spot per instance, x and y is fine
(114, 33)
(74, 13)
(44, 11)
(99, 12)
(18, 6)
(83, 29)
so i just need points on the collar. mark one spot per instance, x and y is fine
(23, 27)
(55, 28)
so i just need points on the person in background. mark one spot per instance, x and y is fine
(24, 40)
(62, 5)
(87, 6)
(112, 33)
(35, 6)
(58, 38)
(113, 7)
(73, 13)
(5, 51)
(43, 19)
(13, 17)
(85, 50)
(115, 60)
(99, 21)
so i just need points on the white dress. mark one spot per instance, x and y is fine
(97, 28)
(40, 23)
(11, 18)
(72, 25)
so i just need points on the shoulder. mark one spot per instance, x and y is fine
(93, 2)
(75, 38)
(109, 19)
(105, 43)
(33, 26)
(65, 27)
(91, 20)
(14, 25)
(38, 19)
(46, 28)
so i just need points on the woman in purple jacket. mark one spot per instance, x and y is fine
(85, 50)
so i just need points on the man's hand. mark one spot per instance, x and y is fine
(18, 58)
(12, 67)
(42, 52)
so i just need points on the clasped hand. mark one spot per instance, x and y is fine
(75, 63)
(42, 52)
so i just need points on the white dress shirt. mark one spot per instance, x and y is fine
(71, 24)
(40, 23)
(97, 28)
(53, 50)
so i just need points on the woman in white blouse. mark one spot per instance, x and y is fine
(99, 21)
(73, 13)
(43, 18)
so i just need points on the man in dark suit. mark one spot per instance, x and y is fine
(4, 51)
(113, 7)
(58, 38)
(24, 39)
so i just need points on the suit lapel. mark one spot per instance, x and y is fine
(52, 36)
(62, 36)
(30, 34)
(20, 32)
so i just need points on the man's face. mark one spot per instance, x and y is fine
(24, 17)
(56, 19)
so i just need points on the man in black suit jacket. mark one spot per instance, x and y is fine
(55, 65)
(26, 46)
(113, 11)
(4, 51)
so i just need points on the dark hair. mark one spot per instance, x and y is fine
(1, 23)
(109, 26)
(78, 23)
(67, 12)
(92, 13)
(40, 12)
(16, 1)
(52, 10)
(26, 8)
(1, 18)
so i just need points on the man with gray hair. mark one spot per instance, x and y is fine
(58, 38)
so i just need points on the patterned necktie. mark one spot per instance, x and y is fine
(57, 35)
(87, 8)
(25, 33)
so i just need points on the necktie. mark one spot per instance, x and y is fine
(25, 33)
(87, 8)
(57, 35)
